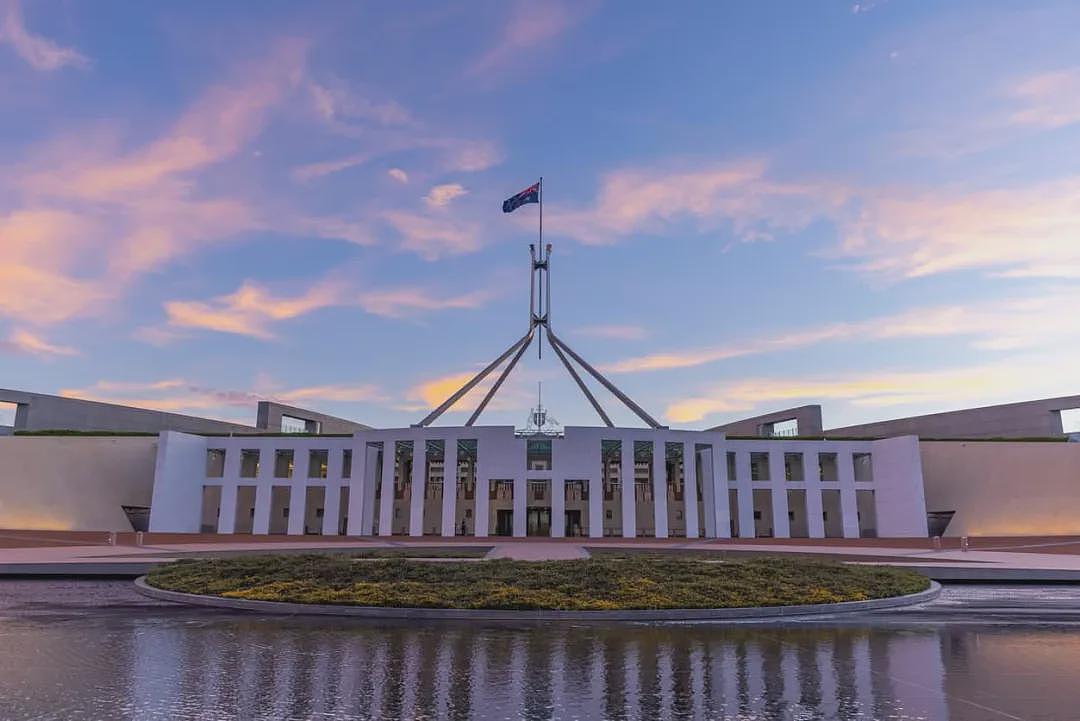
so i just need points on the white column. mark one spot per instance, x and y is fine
(362, 485)
(596, 504)
(331, 509)
(263, 492)
(849, 509)
(708, 494)
(483, 492)
(227, 515)
(690, 489)
(419, 487)
(745, 493)
(521, 495)
(815, 521)
(778, 481)
(558, 506)
(449, 488)
(659, 486)
(386, 505)
(719, 482)
(297, 506)
(629, 501)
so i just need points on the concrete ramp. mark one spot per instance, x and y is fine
(533, 551)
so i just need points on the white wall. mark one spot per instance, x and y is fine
(75, 483)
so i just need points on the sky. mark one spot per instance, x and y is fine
(874, 206)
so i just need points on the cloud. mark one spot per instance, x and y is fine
(40, 52)
(528, 28)
(177, 395)
(88, 218)
(250, 309)
(23, 341)
(398, 174)
(429, 394)
(1048, 100)
(312, 171)
(335, 103)
(441, 195)
(1003, 324)
(944, 388)
(738, 193)
(434, 238)
(617, 332)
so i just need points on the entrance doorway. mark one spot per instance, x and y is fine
(573, 524)
(504, 522)
(538, 521)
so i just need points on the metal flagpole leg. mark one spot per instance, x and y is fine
(449, 402)
(581, 384)
(606, 383)
(498, 384)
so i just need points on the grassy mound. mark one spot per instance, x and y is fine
(593, 584)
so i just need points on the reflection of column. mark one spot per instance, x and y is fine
(449, 488)
(380, 674)
(659, 489)
(557, 489)
(597, 682)
(410, 676)
(297, 507)
(827, 679)
(517, 678)
(665, 679)
(557, 668)
(386, 505)
(849, 510)
(814, 518)
(419, 487)
(261, 523)
(697, 681)
(477, 673)
(778, 481)
(690, 489)
(444, 661)
(629, 497)
(730, 665)
(917, 674)
(791, 690)
(755, 680)
(227, 515)
(632, 681)
(864, 684)
(521, 495)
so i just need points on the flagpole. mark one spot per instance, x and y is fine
(543, 255)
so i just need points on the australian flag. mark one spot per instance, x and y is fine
(529, 195)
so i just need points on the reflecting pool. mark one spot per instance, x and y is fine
(97, 651)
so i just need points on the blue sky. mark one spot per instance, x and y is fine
(874, 206)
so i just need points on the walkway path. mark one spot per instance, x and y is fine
(538, 551)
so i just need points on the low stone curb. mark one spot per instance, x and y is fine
(764, 613)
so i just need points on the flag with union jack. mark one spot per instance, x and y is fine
(529, 195)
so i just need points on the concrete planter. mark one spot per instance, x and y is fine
(759, 613)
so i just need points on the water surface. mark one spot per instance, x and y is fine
(78, 650)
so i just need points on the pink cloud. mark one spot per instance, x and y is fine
(40, 52)
(527, 28)
(23, 341)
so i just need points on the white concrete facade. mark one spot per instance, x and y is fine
(589, 481)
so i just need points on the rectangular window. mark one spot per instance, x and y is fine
(346, 463)
(864, 467)
(317, 463)
(249, 463)
(283, 463)
(731, 473)
(215, 462)
(793, 467)
(291, 424)
(7, 414)
(1070, 420)
(827, 469)
(759, 466)
(538, 454)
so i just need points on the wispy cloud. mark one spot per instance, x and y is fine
(442, 195)
(23, 341)
(40, 52)
(434, 238)
(1048, 100)
(1004, 324)
(398, 174)
(87, 219)
(252, 310)
(178, 395)
(527, 28)
(616, 332)
(944, 388)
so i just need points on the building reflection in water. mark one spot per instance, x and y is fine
(215, 667)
